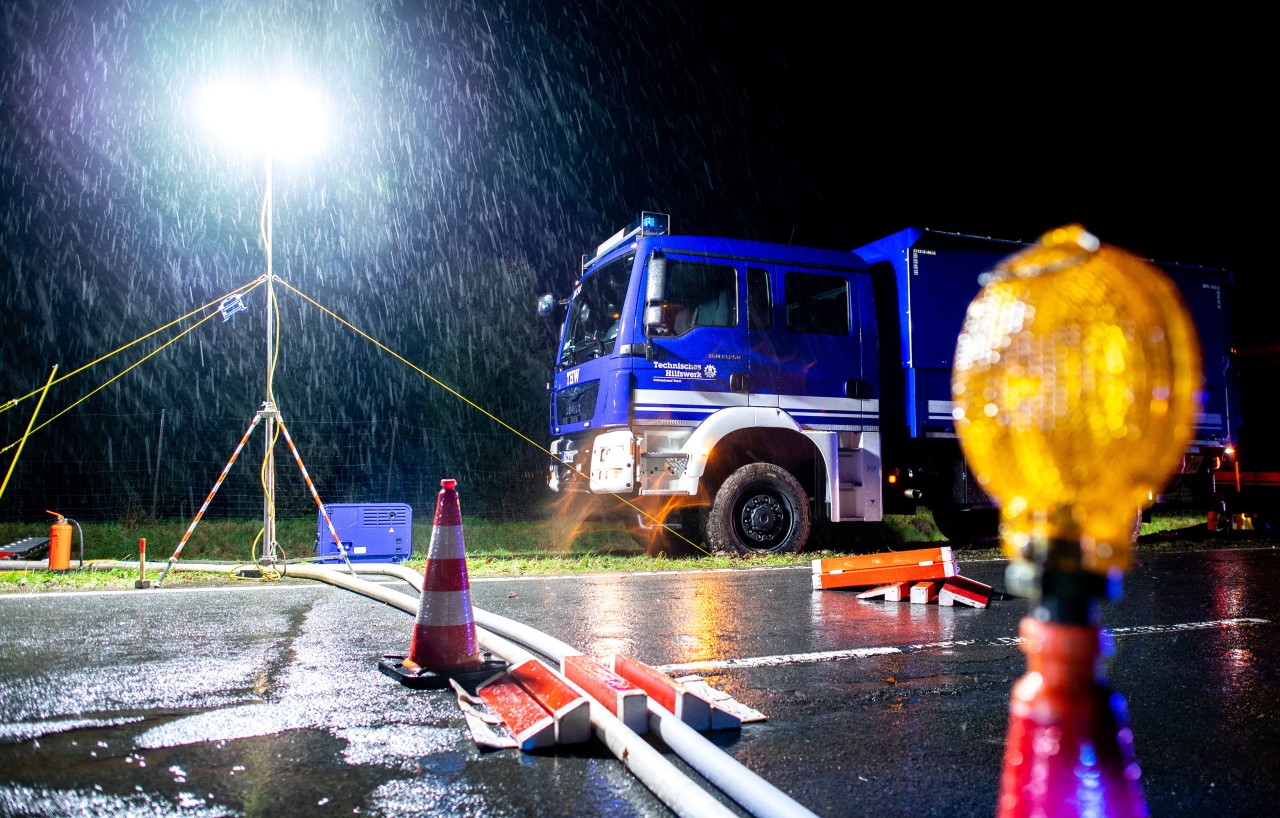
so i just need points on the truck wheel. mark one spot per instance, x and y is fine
(759, 509)
(686, 526)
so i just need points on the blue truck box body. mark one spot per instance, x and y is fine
(937, 274)
(370, 532)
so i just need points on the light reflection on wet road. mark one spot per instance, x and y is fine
(248, 702)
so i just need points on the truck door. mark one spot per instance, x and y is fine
(761, 351)
(826, 372)
(699, 363)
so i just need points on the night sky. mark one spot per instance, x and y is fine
(475, 150)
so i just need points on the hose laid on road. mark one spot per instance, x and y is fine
(734, 779)
(666, 781)
(500, 636)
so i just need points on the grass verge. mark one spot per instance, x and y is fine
(494, 549)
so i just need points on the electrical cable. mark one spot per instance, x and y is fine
(241, 290)
(115, 377)
(479, 408)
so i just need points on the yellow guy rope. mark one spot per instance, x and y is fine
(471, 403)
(241, 290)
(27, 434)
(113, 379)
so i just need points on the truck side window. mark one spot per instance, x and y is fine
(701, 295)
(759, 300)
(817, 304)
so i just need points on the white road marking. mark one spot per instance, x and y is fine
(1002, 641)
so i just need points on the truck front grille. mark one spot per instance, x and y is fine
(577, 403)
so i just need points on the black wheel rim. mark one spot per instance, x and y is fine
(764, 519)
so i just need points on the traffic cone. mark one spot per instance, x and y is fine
(443, 645)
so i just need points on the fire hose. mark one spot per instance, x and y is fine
(504, 637)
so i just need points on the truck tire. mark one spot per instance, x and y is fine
(760, 509)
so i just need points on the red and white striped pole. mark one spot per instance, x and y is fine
(216, 485)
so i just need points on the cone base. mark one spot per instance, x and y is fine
(424, 679)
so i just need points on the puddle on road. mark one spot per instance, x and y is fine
(99, 771)
(398, 769)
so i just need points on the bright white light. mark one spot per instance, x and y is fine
(283, 118)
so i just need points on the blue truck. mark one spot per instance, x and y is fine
(735, 395)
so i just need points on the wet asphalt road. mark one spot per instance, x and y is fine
(265, 699)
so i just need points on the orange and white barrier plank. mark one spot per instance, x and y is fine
(893, 592)
(530, 723)
(965, 591)
(678, 700)
(620, 697)
(568, 708)
(727, 713)
(887, 559)
(870, 577)
(922, 593)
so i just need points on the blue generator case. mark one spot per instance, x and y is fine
(371, 532)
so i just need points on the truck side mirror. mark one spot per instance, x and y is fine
(546, 305)
(654, 296)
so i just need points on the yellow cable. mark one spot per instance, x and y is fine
(474, 405)
(273, 354)
(114, 378)
(268, 573)
(262, 472)
(241, 290)
(22, 441)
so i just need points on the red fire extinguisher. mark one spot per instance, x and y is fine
(59, 543)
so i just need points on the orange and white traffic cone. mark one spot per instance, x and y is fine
(443, 645)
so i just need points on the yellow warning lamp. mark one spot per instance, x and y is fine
(1076, 380)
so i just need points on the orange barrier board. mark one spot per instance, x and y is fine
(620, 697)
(922, 593)
(888, 559)
(885, 576)
(529, 722)
(667, 692)
(965, 591)
(568, 708)
(894, 592)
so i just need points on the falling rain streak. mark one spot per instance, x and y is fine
(473, 153)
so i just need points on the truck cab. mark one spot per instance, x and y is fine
(715, 386)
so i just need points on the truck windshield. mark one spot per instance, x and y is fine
(595, 313)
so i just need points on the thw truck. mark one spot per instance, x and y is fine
(738, 393)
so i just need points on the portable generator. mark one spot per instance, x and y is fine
(370, 532)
